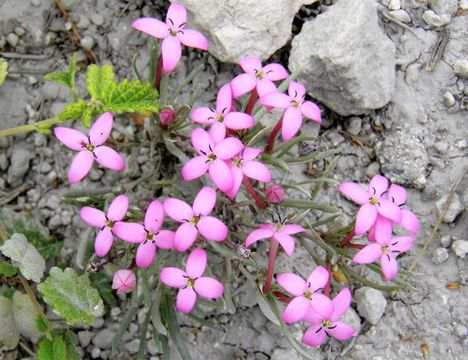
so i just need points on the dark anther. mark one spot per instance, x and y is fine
(308, 284)
(185, 220)
(373, 189)
(393, 199)
(295, 93)
(224, 110)
(211, 117)
(211, 109)
(402, 204)
(319, 330)
(269, 71)
(384, 193)
(330, 328)
(209, 146)
(396, 242)
(182, 25)
(319, 289)
(255, 71)
(172, 22)
(204, 153)
(388, 257)
(327, 333)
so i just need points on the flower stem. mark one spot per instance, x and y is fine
(252, 101)
(326, 290)
(159, 73)
(272, 137)
(347, 239)
(282, 297)
(258, 200)
(40, 125)
(271, 264)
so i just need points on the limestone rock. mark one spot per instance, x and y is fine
(370, 304)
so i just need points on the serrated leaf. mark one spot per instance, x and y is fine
(72, 296)
(52, 350)
(31, 264)
(87, 116)
(3, 70)
(73, 111)
(99, 79)
(61, 78)
(7, 269)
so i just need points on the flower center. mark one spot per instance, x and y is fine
(190, 282)
(308, 294)
(195, 220)
(278, 226)
(211, 157)
(327, 323)
(385, 249)
(90, 147)
(295, 103)
(259, 74)
(173, 32)
(219, 117)
(149, 235)
(373, 201)
(236, 161)
(109, 224)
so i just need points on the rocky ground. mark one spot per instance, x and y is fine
(391, 78)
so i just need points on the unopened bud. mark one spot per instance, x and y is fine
(166, 116)
(124, 281)
(274, 194)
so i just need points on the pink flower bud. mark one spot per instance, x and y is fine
(124, 281)
(274, 194)
(167, 116)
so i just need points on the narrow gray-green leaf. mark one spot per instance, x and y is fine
(3, 70)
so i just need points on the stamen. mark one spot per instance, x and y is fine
(319, 330)
(172, 22)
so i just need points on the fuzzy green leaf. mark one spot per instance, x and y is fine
(42, 324)
(3, 70)
(52, 350)
(72, 296)
(7, 269)
(74, 111)
(61, 78)
(72, 68)
(99, 80)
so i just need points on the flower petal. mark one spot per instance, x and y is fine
(205, 201)
(296, 90)
(401, 244)
(103, 242)
(389, 210)
(292, 229)
(186, 299)
(185, 236)
(292, 283)
(292, 122)
(365, 218)
(377, 186)
(228, 148)
(131, 232)
(341, 331)
(312, 317)
(71, 138)
(145, 254)
(212, 228)
(341, 304)
(173, 277)
(389, 266)
(258, 234)
(276, 100)
(354, 192)
(317, 279)
(224, 99)
(314, 336)
(118, 208)
(275, 72)
(242, 84)
(93, 217)
(286, 241)
(101, 129)
(152, 27)
(196, 263)
(250, 64)
(383, 230)
(237, 177)
(409, 221)
(295, 310)
(176, 16)
(203, 115)
(202, 141)
(109, 158)
(80, 166)
(195, 168)
(368, 254)
(397, 194)
(265, 86)
(193, 39)
(238, 121)
(221, 175)
(209, 288)
(217, 132)
(256, 170)
(322, 305)
(249, 153)
(154, 216)
(171, 51)
(165, 239)
(311, 111)
(178, 210)
(124, 281)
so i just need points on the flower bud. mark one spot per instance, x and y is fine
(166, 116)
(274, 194)
(124, 281)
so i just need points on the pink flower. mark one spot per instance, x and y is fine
(244, 164)
(372, 203)
(224, 113)
(90, 148)
(173, 33)
(124, 281)
(279, 231)
(329, 323)
(99, 219)
(257, 77)
(387, 251)
(274, 194)
(166, 116)
(150, 236)
(295, 108)
(191, 282)
(306, 294)
(195, 219)
(212, 154)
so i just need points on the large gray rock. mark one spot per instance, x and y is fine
(347, 62)
(370, 304)
(19, 165)
(236, 29)
(444, 6)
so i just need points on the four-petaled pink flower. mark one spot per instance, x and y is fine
(124, 281)
(173, 33)
(329, 323)
(295, 108)
(224, 113)
(387, 251)
(244, 164)
(191, 282)
(278, 231)
(97, 218)
(373, 203)
(150, 236)
(257, 77)
(195, 219)
(306, 294)
(211, 158)
(90, 148)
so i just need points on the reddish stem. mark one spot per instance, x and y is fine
(252, 101)
(282, 297)
(271, 264)
(159, 72)
(355, 246)
(347, 239)
(258, 200)
(326, 290)
(272, 137)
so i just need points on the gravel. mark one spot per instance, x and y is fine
(440, 255)
(455, 208)
(371, 304)
(460, 248)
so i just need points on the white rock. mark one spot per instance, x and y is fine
(103, 338)
(463, 4)
(87, 42)
(454, 209)
(446, 241)
(400, 15)
(444, 6)
(12, 39)
(19, 165)
(97, 19)
(431, 18)
(84, 337)
(461, 68)
(351, 70)
(449, 99)
(236, 29)
(370, 304)
(440, 255)
(394, 5)
(460, 248)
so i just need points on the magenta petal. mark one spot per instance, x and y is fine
(201, 141)
(124, 281)
(397, 194)
(109, 158)
(186, 299)
(295, 310)
(193, 39)
(176, 16)
(205, 201)
(383, 230)
(93, 217)
(103, 242)
(145, 254)
(369, 254)
(250, 153)
(154, 216)
(354, 192)
(209, 288)
(152, 27)
(242, 84)
(258, 234)
(228, 148)
(296, 90)
(212, 228)
(377, 186)
(389, 266)
(194, 168)
(371, 234)
(312, 317)
(341, 304)
(292, 229)
(165, 239)
(409, 221)
(185, 236)
(314, 336)
(171, 52)
(221, 175)
(173, 277)
(71, 138)
(401, 244)
(322, 305)
(80, 166)
(276, 100)
(224, 99)
(196, 263)
(101, 129)
(250, 64)
(318, 278)
(177, 210)
(275, 72)
(292, 283)
(311, 111)
(256, 170)
(292, 122)
(131, 232)
(341, 331)
(265, 86)
(238, 121)
(389, 210)
(286, 241)
(365, 218)
(203, 115)
(118, 208)
(237, 177)
(217, 132)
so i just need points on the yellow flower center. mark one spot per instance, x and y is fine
(308, 294)
(295, 103)
(149, 235)
(327, 323)
(260, 74)
(190, 282)
(211, 157)
(373, 201)
(278, 226)
(109, 224)
(173, 32)
(90, 147)
(219, 117)
(385, 249)
(195, 220)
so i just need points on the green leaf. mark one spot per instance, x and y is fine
(3, 70)
(74, 111)
(72, 68)
(52, 350)
(87, 115)
(307, 204)
(71, 343)
(7, 269)
(99, 80)
(265, 306)
(42, 324)
(173, 328)
(72, 296)
(103, 286)
(61, 78)
(30, 263)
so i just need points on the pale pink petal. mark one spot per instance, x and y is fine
(152, 27)
(341, 331)
(256, 170)
(228, 148)
(250, 64)
(369, 254)
(185, 236)
(292, 229)
(186, 299)
(118, 208)
(371, 234)
(276, 100)
(194, 168)
(217, 132)
(71, 138)
(258, 234)
(322, 305)
(238, 121)
(154, 216)
(401, 244)
(265, 86)
(177, 210)
(295, 310)
(296, 90)
(389, 266)
(409, 221)
(173, 277)
(109, 158)
(171, 52)
(341, 304)
(221, 175)
(196, 263)
(212, 228)
(224, 99)
(242, 84)
(202, 141)
(176, 16)
(101, 129)
(311, 111)
(80, 166)
(124, 281)
(145, 254)
(131, 232)
(365, 218)
(292, 283)
(193, 39)
(275, 72)
(286, 241)
(237, 177)
(377, 186)
(397, 194)
(209, 288)
(317, 279)
(165, 239)
(205, 201)
(383, 230)
(354, 192)
(203, 115)
(93, 217)
(250, 153)
(389, 210)
(312, 317)
(103, 242)
(292, 122)
(314, 336)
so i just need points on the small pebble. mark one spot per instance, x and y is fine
(95, 353)
(431, 18)
(446, 241)
(460, 248)
(449, 99)
(400, 15)
(373, 169)
(394, 5)
(84, 337)
(36, 2)
(115, 312)
(461, 68)
(463, 4)
(455, 208)
(87, 42)
(440, 255)
(371, 304)
(97, 19)
(32, 80)
(20, 31)
(354, 125)
(12, 39)
(132, 346)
